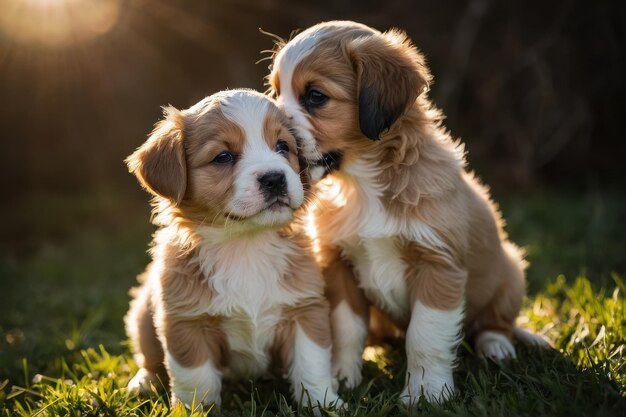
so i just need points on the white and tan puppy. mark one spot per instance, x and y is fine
(230, 292)
(401, 224)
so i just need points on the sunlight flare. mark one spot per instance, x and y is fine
(57, 22)
(311, 230)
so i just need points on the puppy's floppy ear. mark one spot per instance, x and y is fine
(391, 74)
(160, 163)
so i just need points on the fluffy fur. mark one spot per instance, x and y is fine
(230, 291)
(401, 224)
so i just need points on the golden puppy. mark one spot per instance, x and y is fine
(229, 292)
(401, 224)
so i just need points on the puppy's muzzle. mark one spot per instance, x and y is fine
(273, 185)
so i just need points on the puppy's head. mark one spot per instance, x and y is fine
(231, 158)
(344, 85)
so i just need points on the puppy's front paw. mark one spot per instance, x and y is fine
(194, 387)
(143, 383)
(349, 371)
(494, 346)
(435, 386)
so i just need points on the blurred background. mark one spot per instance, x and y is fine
(535, 89)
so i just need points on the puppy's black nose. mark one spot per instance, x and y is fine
(273, 183)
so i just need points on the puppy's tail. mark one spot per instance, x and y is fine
(530, 339)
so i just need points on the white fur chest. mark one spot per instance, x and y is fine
(248, 275)
(362, 211)
(247, 281)
(368, 235)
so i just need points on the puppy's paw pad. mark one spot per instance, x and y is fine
(495, 346)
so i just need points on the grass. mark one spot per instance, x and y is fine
(63, 349)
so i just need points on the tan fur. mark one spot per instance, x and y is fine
(160, 162)
(312, 317)
(435, 280)
(140, 318)
(422, 174)
(276, 128)
(166, 312)
(210, 186)
(198, 339)
(333, 76)
(341, 284)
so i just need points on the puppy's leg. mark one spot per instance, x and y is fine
(146, 347)
(305, 349)
(195, 348)
(436, 288)
(349, 321)
(497, 320)
(194, 386)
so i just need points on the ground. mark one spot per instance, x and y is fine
(65, 280)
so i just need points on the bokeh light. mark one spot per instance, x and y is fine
(57, 22)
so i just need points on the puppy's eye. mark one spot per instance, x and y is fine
(314, 98)
(223, 158)
(282, 147)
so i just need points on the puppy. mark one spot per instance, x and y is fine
(401, 224)
(229, 292)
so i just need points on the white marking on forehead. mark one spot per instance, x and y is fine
(298, 48)
(301, 46)
(248, 109)
(295, 51)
